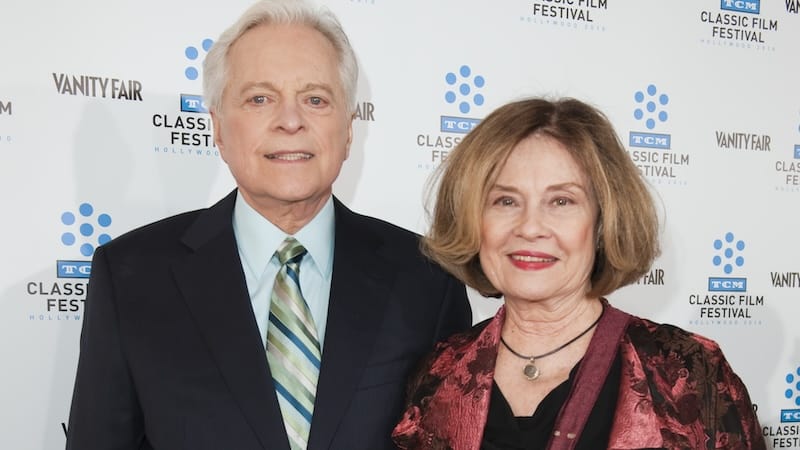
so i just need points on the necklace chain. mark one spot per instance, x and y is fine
(557, 349)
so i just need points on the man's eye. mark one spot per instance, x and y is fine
(316, 101)
(259, 99)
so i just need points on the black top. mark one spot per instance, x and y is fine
(503, 431)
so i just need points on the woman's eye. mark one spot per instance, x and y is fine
(562, 201)
(259, 99)
(504, 201)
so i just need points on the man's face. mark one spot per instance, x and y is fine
(283, 125)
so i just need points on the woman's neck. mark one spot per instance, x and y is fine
(548, 321)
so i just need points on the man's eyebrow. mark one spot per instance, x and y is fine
(305, 88)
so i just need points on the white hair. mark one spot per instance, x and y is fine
(215, 70)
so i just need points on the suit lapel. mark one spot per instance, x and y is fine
(214, 287)
(361, 283)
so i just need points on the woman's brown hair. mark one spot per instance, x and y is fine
(627, 224)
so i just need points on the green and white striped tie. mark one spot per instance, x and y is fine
(293, 349)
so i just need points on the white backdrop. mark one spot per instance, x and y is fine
(94, 142)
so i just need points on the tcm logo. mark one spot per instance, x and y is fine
(84, 230)
(728, 257)
(650, 110)
(792, 393)
(5, 108)
(194, 103)
(73, 269)
(727, 284)
(745, 6)
(463, 90)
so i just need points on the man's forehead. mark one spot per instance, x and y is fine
(282, 33)
(292, 62)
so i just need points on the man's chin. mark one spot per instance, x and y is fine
(299, 198)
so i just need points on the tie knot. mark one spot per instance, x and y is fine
(290, 251)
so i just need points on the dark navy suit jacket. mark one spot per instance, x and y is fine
(171, 356)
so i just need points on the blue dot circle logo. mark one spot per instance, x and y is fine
(85, 227)
(464, 89)
(192, 54)
(728, 253)
(651, 106)
(793, 391)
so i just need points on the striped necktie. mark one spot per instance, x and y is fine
(293, 349)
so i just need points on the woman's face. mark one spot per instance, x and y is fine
(538, 230)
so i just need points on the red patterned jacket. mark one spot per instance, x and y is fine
(677, 391)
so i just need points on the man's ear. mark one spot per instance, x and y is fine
(215, 120)
(349, 135)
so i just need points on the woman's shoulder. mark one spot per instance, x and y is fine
(646, 334)
(463, 354)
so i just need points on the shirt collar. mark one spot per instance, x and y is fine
(258, 238)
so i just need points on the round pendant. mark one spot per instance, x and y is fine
(530, 371)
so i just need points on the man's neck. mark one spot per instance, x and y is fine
(290, 217)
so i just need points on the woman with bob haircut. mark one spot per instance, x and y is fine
(542, 205)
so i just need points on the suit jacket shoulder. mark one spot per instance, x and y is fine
(397, 244)
(189, 228)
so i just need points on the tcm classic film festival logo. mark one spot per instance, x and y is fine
(651, 147)
(61, 298)
(575, 14)
(187, 131)
(787, 434)
(727, 300)
(739, 23)
(464, 96)
(788, 168)
(788, 171)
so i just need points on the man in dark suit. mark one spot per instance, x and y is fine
(190, 337)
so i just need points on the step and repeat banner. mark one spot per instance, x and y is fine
(103, 128)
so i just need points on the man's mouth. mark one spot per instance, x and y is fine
(290, 156)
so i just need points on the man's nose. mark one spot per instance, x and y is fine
(289, 117)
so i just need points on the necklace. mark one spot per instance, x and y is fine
(530, 371)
